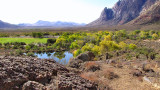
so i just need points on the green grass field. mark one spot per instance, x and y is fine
(26, 40)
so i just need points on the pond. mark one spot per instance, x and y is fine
(60, 57)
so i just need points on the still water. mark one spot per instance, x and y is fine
(60, 57)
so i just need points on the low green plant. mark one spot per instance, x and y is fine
(19, 53)
(31, 54)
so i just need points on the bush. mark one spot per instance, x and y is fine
(87, 47)
(51, 41)
(27, 47)
(108, 38)
(132, 46)
(37, 35)
(74, 45)
(108, 46)
(144, 35)
(31, 54)
(96, 50)
(6, 44)
(77, 52)
(4, 35)
(19, 52)
(155, 36)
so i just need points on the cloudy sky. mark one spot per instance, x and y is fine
(30, 11)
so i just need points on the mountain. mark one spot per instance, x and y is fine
(124, 11)
(52, 24)
(150, 16)
(7, 25)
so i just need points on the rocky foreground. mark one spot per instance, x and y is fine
(17, 73)
(82, 73)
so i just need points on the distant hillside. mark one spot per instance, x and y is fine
(53, 24)
(133, 11)
(7, 25)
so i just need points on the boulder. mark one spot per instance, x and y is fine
(87, 56)
(76, 62)
(32, 85)
(136, 73)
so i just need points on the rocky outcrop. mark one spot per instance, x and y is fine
(76, 62)
(32, 85)
(70, 81)
(37, 74)
(123, 12)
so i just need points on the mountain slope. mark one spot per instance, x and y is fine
(53, 24)
(123, 12)
(150, 16)
(6, 25)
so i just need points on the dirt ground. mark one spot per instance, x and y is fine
(124, 81)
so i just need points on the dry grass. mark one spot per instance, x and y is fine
(89, 76)
(109, 74)
(90, 64)
(115, 78)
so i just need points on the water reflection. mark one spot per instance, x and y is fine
(60, 57)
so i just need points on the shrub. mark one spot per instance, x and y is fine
(6, 44)
(132, 46)
(77, 52)
(31, 54)
(96, 50)
(31, 45)
(4, 35)
(15, 47)
(51, 41)
(136, 32)
(121, 33)
(19, 52)
(28, 47)
(87, 47)
(108, 38)
(155, 36)
(144, 35)
(37, 35)
(108, 46)
(151, 32)
(74, 45)
(123, 45)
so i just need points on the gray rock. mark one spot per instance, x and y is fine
(147, 79)
(17, 73)
(76, 62)
(123, 12)
(69, 81)
(32, 85)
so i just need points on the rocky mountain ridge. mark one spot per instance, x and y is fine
(124, 11)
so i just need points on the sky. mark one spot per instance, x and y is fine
(30, 11)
